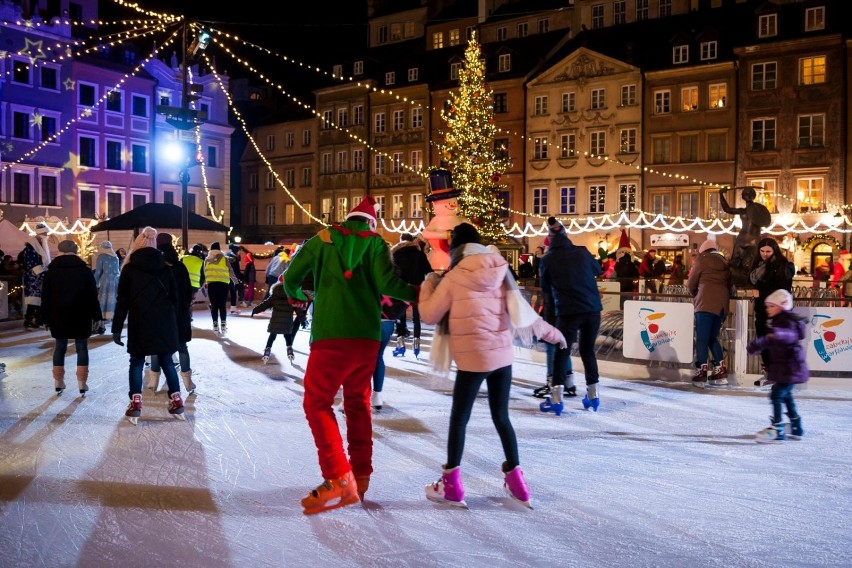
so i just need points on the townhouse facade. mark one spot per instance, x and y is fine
(81, 136)
(643, 107)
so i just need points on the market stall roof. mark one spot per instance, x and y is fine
(159, 216)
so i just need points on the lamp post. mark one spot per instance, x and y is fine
(185, 118)
(184, 190)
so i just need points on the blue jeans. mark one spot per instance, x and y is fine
(379, 371)
(464, 394)
(707, 328)
(550, 356)
(782, 395)
(183, 355)
(82, 346)
(586, 326)
(137, 364)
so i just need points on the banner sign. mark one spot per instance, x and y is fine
(610, 301)
(828, 342)
(658, 331)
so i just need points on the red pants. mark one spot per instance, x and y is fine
(350, 363)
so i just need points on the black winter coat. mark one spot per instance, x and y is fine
(184, 301)
(412, 262)
(568, 275)
(281, 321)
(778, 275)
(147, 298)
(69, 298)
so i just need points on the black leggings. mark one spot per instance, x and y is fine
(464, 394)
(288, 338)
(82, 346)
(217, 293)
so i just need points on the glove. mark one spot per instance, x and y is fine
(299, 304)
(254, 311)
(116, 338)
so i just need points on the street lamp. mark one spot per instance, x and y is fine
(183, 153)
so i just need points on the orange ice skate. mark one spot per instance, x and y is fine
(331, 494)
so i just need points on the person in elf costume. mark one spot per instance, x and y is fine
(352, 269)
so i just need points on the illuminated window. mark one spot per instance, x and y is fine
(809, 194)
(812, 70)
(689, 99)
(717, 95)
(455, 37)
(437, 40)
(766, 192)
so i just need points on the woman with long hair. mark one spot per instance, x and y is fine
(770, 271)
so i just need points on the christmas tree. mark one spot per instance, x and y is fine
(468, 147)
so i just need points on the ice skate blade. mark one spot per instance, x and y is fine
(526, 504)
(441, 501)
(328, 506)
(180, 416)
(592, 403)
(133, 420)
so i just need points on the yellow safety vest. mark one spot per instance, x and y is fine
(193, 266)
(217, 272)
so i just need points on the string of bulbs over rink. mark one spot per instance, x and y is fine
(782, 224)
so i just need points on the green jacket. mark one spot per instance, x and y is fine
(346, 308)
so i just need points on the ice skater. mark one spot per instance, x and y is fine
(470, 306)
(281, 322)
(352, 269)
(147, 299)
(787, 366)
(69, 302)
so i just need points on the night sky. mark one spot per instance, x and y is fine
(312, 30)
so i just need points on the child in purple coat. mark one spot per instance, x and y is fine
(787, 366)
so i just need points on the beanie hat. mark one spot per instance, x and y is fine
(197, 248)
(164, 238)
(68, 247)
(106, 245)
(781, 298)
(554, 227)
(367, 208)
(709, 244)
(42, 229)
(147, 238)
(463, 234)
(845, 254)
(216, 246)
(623, 243)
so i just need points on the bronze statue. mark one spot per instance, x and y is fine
(754, 217)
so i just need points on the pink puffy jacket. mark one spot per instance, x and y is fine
(480, 330)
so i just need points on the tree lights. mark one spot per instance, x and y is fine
(468, 146)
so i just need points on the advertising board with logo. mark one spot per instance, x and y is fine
(829, 338)
(658, 331)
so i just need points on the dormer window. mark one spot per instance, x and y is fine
(680, 54)
(815, 19)
(767, 25)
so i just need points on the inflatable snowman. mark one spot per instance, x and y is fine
(438, 232)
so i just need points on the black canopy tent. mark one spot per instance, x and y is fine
(159, 216)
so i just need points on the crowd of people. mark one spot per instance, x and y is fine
(360, 291)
